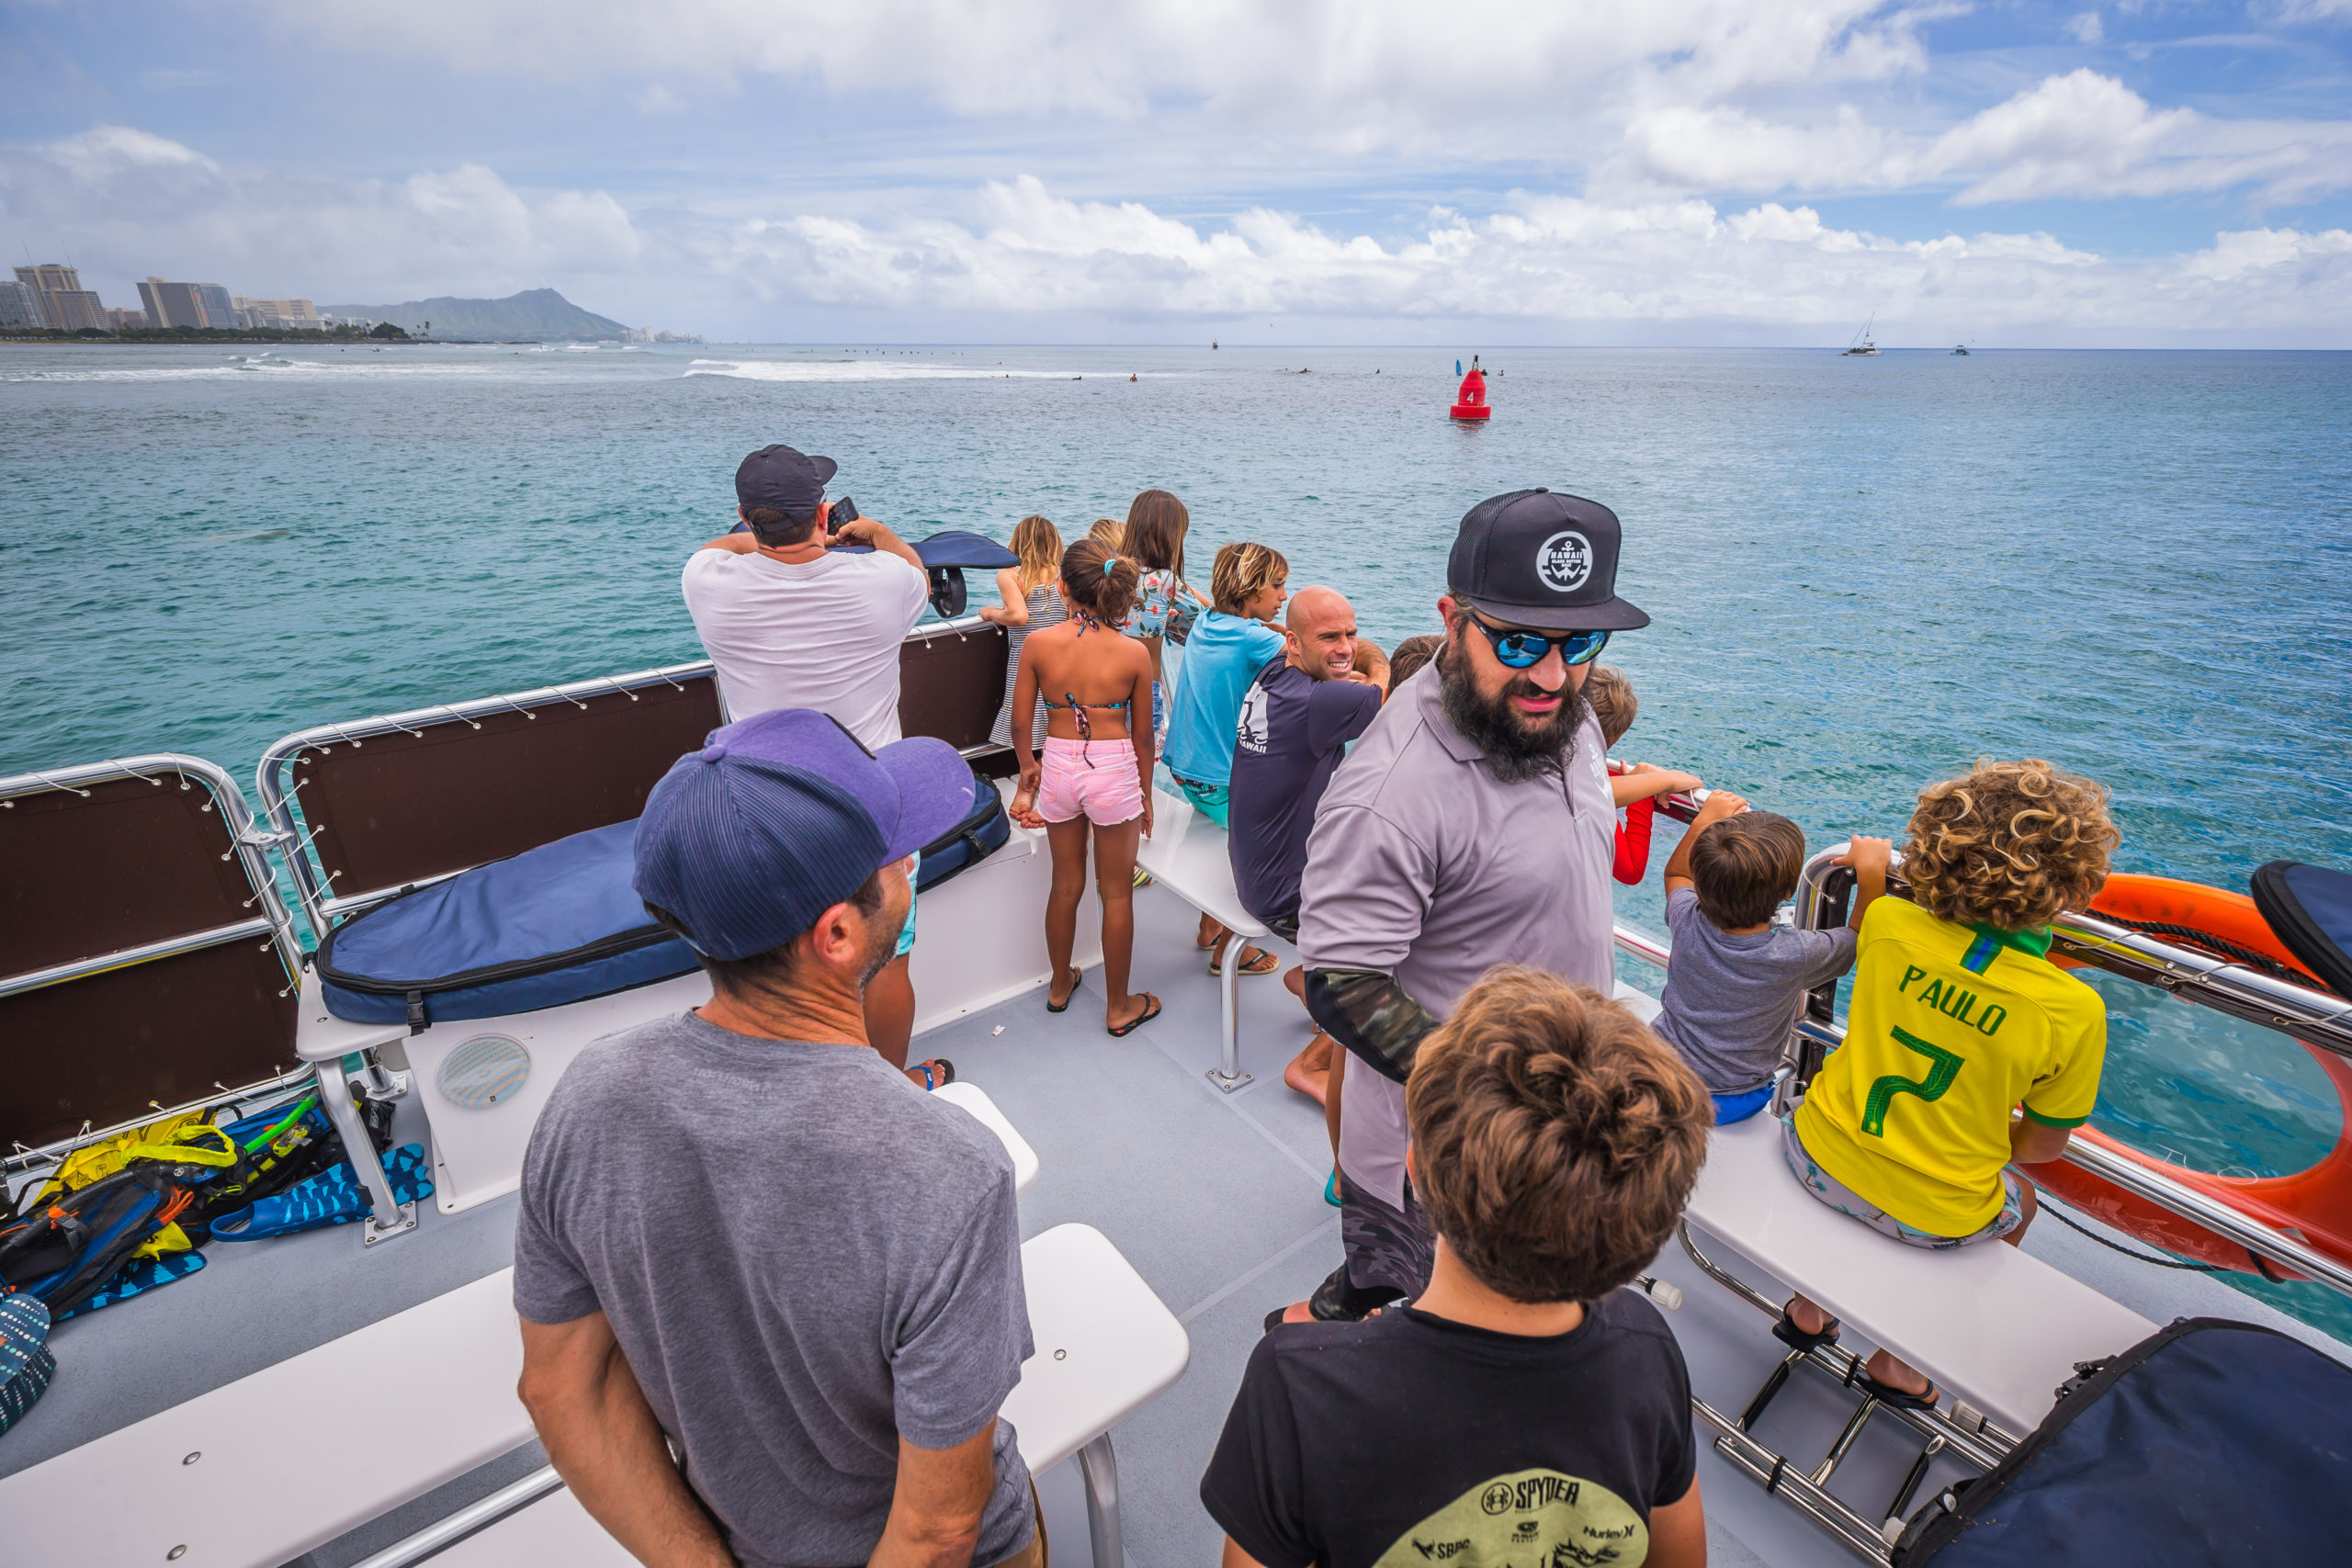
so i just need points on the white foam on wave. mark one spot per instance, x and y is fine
(863, 370)
(239, 365)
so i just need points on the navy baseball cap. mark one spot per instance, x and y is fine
(782, 816)
(793, 482)
(1535, 559)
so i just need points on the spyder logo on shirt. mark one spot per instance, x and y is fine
(1565, 1522)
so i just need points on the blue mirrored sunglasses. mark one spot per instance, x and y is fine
(1516, 648)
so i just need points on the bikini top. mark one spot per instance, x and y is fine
(1070, 699)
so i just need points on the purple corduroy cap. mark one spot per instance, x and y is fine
(782, 816)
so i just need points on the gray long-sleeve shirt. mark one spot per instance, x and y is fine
(1424, 865)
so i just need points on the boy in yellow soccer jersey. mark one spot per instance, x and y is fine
(1960, 1023)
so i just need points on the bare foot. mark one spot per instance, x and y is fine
(1896, 1374)
(1143, 1008)
(1302, 1074)
(1299, 1311)
(1809, 1318)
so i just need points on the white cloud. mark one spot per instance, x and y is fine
(1345, 73)
(2085, 28)
(2078, 135)
(1544, 262)
(1015, 256)
(136, 204)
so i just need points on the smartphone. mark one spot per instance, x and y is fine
(844, 510)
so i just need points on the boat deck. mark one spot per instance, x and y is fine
(1216, 1200)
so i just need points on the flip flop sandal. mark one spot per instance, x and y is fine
(937, 1073)
(1122, 1030)
(1264, 964)
(1897, 1397)
(1787, 1332)
(1065, 1000)
(1331, 1190)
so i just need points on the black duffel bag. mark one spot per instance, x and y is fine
(2209, 1442)
(982, 832)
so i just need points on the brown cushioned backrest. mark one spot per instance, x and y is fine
(106, 1048)
(400, 807)
(950, 684)
(129, 864)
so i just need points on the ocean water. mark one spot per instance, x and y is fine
(1864, 575)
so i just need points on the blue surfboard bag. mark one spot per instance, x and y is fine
(556, 924)
(2309, 909)
(2209, 1442)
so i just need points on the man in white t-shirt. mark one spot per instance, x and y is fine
(794, 621)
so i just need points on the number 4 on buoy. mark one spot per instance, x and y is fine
(1470, 402)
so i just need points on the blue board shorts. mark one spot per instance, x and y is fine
(907, 936)
(1731, 1108)
(1209, 800)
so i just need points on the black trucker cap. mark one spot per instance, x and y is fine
(1534, 559)
(792, 482)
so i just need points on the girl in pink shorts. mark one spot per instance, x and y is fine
(1094, 773)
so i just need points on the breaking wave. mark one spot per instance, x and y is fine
(240, 365)
(864, 370)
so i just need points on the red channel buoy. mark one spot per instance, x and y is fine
(1470, 402)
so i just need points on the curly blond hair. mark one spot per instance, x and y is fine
(2008, 845)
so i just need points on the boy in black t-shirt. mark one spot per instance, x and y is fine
(1524, 1410)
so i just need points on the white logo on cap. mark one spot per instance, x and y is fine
(1564, 561)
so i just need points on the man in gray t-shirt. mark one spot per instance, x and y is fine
(748, 1240)
(1472, 826)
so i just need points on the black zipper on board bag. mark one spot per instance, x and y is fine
(492, 974)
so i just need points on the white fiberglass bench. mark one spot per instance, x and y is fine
(1186, 854)
(1998, 1330)
(227, 1480)
(238, 1478)
(1105, 1347)
(970, 958)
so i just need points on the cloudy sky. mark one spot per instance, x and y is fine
(1609, 172)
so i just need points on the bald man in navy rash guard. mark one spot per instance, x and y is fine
(1471, 826)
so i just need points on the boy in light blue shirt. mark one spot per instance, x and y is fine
(1228, 644)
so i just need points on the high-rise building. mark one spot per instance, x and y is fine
(63, 302)
(282, 313)
(171, 304)
(218, 311)
(74, 308)
(20, 306)
(123, 321)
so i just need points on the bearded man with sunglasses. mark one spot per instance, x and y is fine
(1472, 826)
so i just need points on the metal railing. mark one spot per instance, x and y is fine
(2301, 1013)
(272, 920)
(314, 882)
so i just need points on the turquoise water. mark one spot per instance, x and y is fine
(1864, 573)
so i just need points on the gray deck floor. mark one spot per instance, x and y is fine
(1215, 1199)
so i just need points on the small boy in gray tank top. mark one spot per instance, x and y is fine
(1735, 984)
